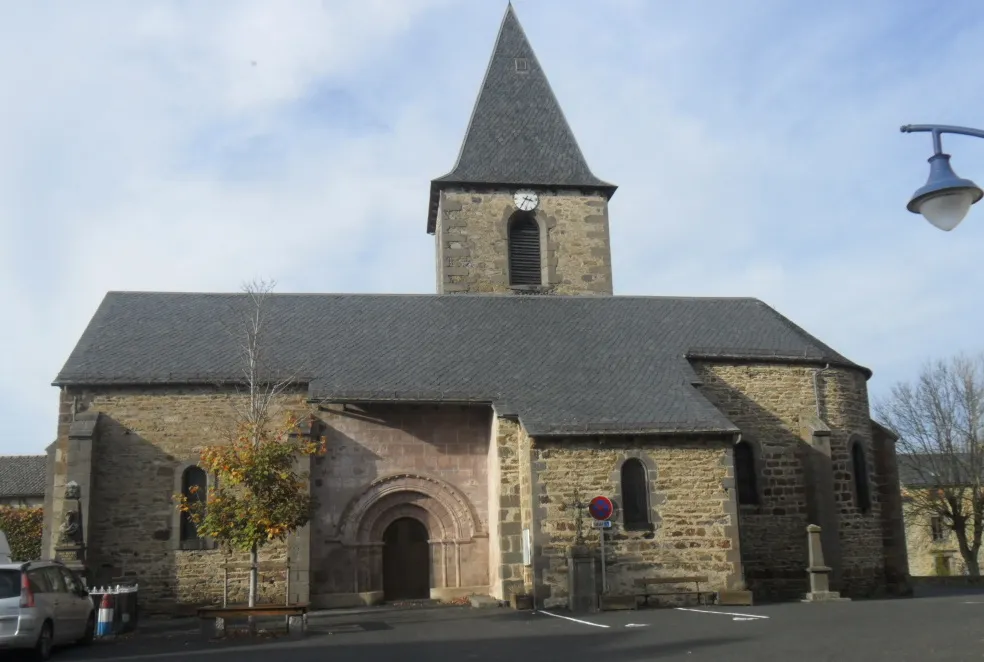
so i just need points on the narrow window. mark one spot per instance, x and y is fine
(936, 528)
(860, 467)
(524, 250)
(635, 495)
(194, 486)
(745, 478)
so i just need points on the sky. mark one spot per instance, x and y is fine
(182, 146)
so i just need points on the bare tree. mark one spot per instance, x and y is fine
(939, 421)
(262, 384)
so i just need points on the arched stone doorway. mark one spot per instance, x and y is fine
(457, 541)
(406, 560)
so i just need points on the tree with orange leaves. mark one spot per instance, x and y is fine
(257, 494)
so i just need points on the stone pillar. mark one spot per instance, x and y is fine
(819, 573)
(299, 557)
(582, 589)
(73, 465)
(890, 497)
(299, 542)
(70, 537)
(821, 500)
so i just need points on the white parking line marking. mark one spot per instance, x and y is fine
(635, 625)
(576, 620)
(723, 613)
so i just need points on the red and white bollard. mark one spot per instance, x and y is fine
(105, 623)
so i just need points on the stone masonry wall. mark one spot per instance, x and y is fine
(766, 402)
(471, 236)
(897, 581)
(507, 542)
(424, 461)
(494, 496)
(694, 529)
(145, 438)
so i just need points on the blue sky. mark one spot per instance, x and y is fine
(192, 146)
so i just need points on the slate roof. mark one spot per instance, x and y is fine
(517, 134)
(563, 364)
(929, 469)
(22, 475)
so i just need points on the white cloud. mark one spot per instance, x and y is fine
(188, 146)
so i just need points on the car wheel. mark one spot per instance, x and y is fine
(42, 650)
(90, 631)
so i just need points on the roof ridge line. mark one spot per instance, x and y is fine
(463, 295)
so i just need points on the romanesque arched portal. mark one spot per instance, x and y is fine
(433, 524)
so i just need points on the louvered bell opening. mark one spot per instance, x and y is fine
(524, 252)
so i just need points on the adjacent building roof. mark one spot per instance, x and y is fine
(939, 469)
(22, 475)
(517, 135)
(562, 364)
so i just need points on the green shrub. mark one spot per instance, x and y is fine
(22, 527)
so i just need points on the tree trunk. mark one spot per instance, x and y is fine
(253, 575)
(973, 567)
(969, 555)
(253, 583)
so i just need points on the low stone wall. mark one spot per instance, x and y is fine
(953, 581)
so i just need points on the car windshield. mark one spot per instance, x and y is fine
(9, 584)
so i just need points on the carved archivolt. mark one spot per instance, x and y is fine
(443, 508)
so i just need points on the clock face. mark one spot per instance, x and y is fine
(526, 200)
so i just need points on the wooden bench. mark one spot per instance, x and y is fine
(214, 618)
(650, 585)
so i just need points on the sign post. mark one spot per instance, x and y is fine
(601, 509)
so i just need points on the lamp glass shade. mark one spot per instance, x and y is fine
(946, 210)
(945, 198)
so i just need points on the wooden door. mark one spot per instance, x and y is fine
(406, 560)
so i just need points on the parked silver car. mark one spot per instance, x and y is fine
(43, 604)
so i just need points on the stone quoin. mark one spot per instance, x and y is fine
(455, 421)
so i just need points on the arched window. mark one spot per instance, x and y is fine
(194, 486)
(862, 493)
(635, 494)
(524, 250)
(745, 475)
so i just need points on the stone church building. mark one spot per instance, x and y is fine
(459, 421)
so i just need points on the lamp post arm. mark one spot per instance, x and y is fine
(939, 129)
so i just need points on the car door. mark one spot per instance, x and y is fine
(77, 600)
(67, 627)
(45, 599)
(10, 591)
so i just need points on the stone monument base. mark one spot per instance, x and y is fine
(825, 596)
(819, 573)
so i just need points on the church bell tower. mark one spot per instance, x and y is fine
(520, 212)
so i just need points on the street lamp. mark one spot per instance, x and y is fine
(945, 199)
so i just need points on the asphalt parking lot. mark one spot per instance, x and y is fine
(932, 628)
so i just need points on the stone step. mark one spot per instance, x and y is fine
(483, 601)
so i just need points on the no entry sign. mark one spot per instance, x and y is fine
(601, 507)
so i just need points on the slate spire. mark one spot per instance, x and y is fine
(517, 135)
